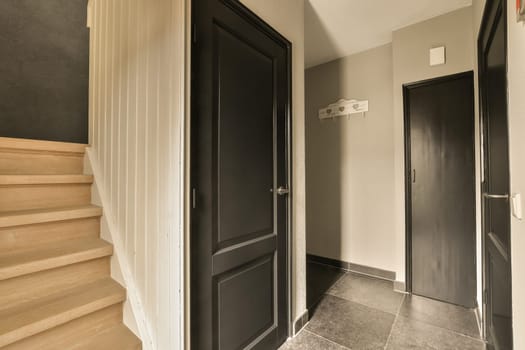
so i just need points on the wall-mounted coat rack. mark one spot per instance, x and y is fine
(343, 108)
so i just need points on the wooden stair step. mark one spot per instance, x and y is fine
(29, 236)
(23, 262)
(26, 320)
(72, 333)
(116, 338)
(9, 180)
(8, 143)
(20, 290)
(37, 216)
(37, 195)
(21, 156)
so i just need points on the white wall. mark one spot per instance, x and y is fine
(136, 136)
(516, 80)
(350, 162)
(411, 64)
(287, 17)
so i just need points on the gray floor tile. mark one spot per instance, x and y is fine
(411, 334)
(452, 317)
(309, 341)
(355, 326)
(376, 293)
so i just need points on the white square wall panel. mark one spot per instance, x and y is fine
(437, 56)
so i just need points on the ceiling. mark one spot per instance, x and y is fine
(338, 28)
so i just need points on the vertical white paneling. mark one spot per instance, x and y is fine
(113, 138)
(123, 99)
(104, 34)
(140, 186)
(136, 136)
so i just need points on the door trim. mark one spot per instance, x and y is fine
(258, 22)
(486, 31)
(408, 165)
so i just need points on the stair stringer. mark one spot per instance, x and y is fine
(135, 318)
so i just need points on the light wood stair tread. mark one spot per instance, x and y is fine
(116, 338)
(28, 217)
(56, 290)
(53, 310)
(41, 146)
(44, 179)
(23, 262)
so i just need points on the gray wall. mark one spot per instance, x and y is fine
(350, 162)
(44, 69)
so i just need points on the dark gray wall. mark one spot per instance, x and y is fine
(44, 69)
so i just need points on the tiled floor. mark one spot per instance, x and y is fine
(361, 313)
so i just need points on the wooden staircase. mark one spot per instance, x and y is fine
(55, 286)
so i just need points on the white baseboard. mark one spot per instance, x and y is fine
(300, 322)
(120, 269)
(400, 286)
(479, 319)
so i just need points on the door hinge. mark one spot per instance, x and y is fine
(193, 198)
(485, 296)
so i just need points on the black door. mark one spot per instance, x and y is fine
(441, 188)
(240, 179)
(496, 206)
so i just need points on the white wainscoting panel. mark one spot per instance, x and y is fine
(137, 144)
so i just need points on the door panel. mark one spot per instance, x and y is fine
(496, 186)
(240, 155)
(499, 303)
(249, 288)
(245, 95)
(440, 116)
